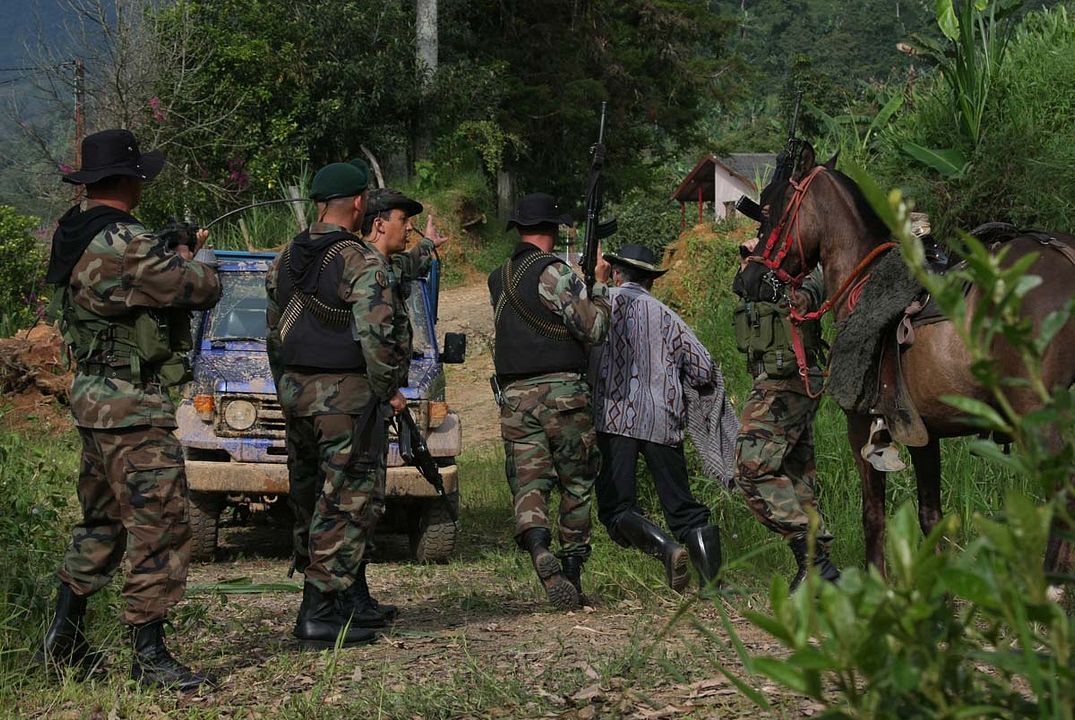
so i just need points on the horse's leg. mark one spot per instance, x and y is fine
(927, 469)
(873, 493)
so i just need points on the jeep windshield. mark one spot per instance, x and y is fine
(240, 314)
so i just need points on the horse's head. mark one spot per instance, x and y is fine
(780, 248)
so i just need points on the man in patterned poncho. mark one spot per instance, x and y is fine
(649, 367)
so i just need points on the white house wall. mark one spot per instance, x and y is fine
(727, 188)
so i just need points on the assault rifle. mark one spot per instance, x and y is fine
(595, 229)
(785, 166)
(414, 451)
(789, 158)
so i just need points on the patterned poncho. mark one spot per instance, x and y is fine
(643, 374)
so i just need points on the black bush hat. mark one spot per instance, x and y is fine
(114, 152)
(636, 256)
(381, 199)
(537, 209)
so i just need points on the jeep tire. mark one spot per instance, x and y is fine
(204, 521)
(434, 538)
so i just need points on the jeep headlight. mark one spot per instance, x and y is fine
(240, 414)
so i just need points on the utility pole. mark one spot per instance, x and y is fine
(80, 117)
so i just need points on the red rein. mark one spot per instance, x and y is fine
(778, 238)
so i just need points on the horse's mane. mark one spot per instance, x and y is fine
(874, 224)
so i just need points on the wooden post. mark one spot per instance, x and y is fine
(682, 216)
(80, 119)
(716, 205)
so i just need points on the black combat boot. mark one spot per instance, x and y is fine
(573, 572)
(65, 641)
(824, 566)
(320, 623)
(154, 666)
(641, 533)
(703, 546)
(561, 593)
(357, 603)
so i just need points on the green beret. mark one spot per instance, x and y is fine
(381, 199)
(338, 180)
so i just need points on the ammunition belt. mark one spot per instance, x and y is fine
(511, 279)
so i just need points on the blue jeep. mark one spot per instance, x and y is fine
(232, 428)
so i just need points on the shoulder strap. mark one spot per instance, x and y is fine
(511, 279)
(300, 301)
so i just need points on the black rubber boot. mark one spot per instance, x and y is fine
(154, 666)
(561, 593)
(357, 603)
(703, 546)
(643, 534)
(825, 568)
(572, 565)
(320, 623)
(65, 643)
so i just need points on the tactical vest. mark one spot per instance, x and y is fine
(763, 331)
(147, 346)
(317, 331)
(530, 338)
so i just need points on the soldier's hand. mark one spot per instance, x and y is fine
(188, 253)
(398, 403)
(432, 234)
(601, 269)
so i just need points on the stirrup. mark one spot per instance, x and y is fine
(879, 452)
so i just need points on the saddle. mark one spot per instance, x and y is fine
(892, 400)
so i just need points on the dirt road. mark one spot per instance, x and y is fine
(467, 310)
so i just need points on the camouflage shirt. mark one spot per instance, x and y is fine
(123, 268)
(562, 292)
(414, 262)
(369, 285)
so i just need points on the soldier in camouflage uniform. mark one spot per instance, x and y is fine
(545, 324)
(333, 319)
(775, 447)
(122, 297)
(385, 227)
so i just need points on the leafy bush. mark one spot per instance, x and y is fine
(1023, 167)
(644, 217)
(22, 264)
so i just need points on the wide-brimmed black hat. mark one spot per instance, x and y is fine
(114, 152)
(537, 209)
(636, 256)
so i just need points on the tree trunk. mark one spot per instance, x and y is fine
(426, 47)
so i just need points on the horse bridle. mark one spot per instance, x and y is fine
(783, 238)
(780, 243)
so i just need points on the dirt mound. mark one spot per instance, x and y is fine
(33, 380)
(700, 256)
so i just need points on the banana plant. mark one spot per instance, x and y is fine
(976, 40)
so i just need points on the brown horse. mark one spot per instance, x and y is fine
(836, 227)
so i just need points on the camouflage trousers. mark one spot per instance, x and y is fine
(132, 487)
(550, 443)
(775, 457)
(334, 469)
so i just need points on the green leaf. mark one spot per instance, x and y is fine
(891, 107)
(949, 163)
(946, 19)
(977, 409)
(877, 197)
(781, 671)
